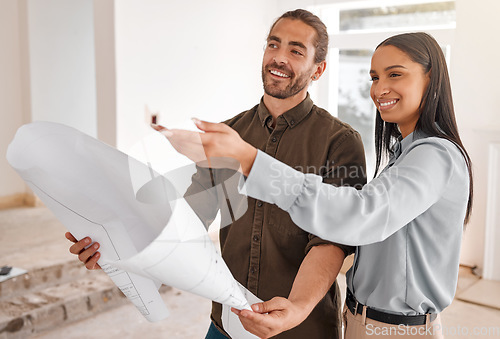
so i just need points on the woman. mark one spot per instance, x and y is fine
(407, 222)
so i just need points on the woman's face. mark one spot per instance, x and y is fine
(398, 85)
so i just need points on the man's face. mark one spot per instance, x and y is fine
(288, 63)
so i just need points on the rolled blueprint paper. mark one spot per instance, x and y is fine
(144, 242)
(230, 321)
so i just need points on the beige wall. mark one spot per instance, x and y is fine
(105, 64)
(11, 96)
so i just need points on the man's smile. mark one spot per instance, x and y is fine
(278, 73)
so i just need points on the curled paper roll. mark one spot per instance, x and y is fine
(149, 234)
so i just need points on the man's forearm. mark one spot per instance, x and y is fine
(316, 275)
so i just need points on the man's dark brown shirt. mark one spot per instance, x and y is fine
(264, 248)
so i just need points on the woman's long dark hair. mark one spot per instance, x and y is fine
(436, 105)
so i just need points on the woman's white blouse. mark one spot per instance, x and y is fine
(407, 222)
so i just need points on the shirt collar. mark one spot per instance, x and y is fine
(403, 144)
(292, 117)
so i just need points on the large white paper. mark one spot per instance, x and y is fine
(230, 321)
(148, 233)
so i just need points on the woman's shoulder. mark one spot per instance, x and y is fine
(434, 142)
(435, 147)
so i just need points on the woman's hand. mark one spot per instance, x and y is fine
(218, 141)
(272, 317)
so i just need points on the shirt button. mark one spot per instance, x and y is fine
(274, 139)
(292, 122)
(255, 238)
(252, 270)
(259, 204)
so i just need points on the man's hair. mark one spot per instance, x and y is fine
(321, 40)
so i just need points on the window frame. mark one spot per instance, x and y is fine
(326, 92)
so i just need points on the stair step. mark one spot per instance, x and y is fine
(57, 290)
(46, 309)
(43, 277)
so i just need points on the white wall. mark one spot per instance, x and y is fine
(200, 59)
(47, 71)
(475, 56)
(11, 100)
(187, 59)
(61, 50)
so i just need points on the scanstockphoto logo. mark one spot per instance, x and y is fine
(438, 329)
(287, 182)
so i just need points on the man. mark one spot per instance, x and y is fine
(264, 250)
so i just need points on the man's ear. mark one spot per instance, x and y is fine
(319, 70)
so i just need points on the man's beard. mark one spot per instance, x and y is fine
(295, 86)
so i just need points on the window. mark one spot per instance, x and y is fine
(355, 29)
